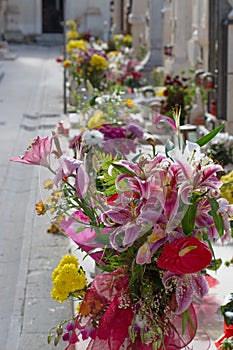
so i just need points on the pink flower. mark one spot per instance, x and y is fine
(39, 153)
(69, 166)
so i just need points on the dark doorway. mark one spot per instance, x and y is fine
(52, 16)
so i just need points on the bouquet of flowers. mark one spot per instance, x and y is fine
(111, 126)
(149, 224)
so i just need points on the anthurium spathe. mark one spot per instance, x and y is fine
(185, 255)
(38, 152)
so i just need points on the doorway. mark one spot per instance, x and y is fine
(52, 16)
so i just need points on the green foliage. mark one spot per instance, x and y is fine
(104, 181)
(207, 138)
(181, 91)
(227, 311)
(227, 344)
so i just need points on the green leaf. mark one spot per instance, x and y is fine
(185, 316)
(168, 147)
(188, 220)
(205, 139)
(217, 217)
(215, 264)
(123, 170)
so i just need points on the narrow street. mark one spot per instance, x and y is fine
(31, 103)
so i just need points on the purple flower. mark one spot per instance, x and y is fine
(69, 330)
(134, 131)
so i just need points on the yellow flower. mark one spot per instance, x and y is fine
(76, 45)
(41, 208)
(98, 62)
(71, 24)
(75, 56)
(48, 184)
(127, 39)
(69, 259)
(68, 279)
(160, 91)
(67, 63)
(96, 121)
(58, 295)
(129, 103)
(227, 190)
(72, 34)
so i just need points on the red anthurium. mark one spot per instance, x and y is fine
(185, 255)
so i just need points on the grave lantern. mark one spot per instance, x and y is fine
(208, 81)
(199, 78)
(168, 50)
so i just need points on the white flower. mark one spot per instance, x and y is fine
(92, 137)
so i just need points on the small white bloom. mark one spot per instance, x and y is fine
(92, 137)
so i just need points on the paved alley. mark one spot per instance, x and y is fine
(31, 103)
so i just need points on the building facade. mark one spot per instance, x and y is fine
(178, 34)
(22, 19)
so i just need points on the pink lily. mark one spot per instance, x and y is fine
(69, 166)
(204, 219)
(38, 154)
(163, 118)
(225, 210)
(188, 288)
(195, 173)
(154, 241)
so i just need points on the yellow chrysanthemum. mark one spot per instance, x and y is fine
(69, 259)
(59, 295)
(129, 103)
(76, 45)
(67, 63)
(112, 54)
(72, 34)
(68, 279)
(96, 121)
(48, 184)
(227, 190)
(54, 197)
(75, 56)
(127, 39)
(71, 24)
(98, 62)
(41, 208)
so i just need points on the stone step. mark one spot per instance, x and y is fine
(50, 39)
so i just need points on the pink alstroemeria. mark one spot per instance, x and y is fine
(38, 154)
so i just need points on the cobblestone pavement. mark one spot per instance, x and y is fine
(31, 102)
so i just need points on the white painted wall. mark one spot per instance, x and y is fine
(27, 15)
